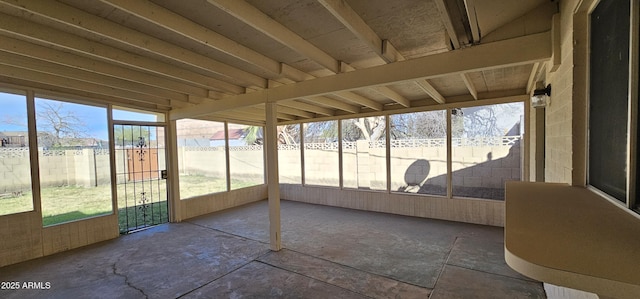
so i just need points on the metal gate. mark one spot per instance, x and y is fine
(141, 177)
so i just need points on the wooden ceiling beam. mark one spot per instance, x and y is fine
(227, 103)
(448, 24)
(198, 100)
(255, 18)
(239, 116)
(506, 53)
(296, 112)
(57, 91)
(254, 112)
(341, 105)
(232, 119)
(11, 45)
(72, 84)
(308, 107)
(178, 24)
(430, 90)
(103, 28)
(81, 75)
(358, 99)
(280, 115)
(390, 52)
(349, 18)
(40, 34)
(392, 95)
(470, 6)
(469, 84)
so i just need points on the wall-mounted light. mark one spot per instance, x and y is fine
(540, 97)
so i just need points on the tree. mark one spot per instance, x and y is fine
(419, 125)
(491, 120)
(322, 131)
(288, 134)
(253, 135)
(15, 121)
(365, 128)
(55, 124)
(130, 135)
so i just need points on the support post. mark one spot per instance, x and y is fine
(271, 136)
(175, 212)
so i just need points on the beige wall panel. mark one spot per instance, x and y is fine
(76, 234)
(25, 238)
(201, 205)
(21, 236)
(479, 211)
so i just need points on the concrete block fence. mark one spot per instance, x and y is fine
(364, 164)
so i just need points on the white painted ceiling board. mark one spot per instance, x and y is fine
(153, 47)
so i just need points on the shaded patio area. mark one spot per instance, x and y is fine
(329, 253)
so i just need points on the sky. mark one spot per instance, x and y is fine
(13, 115)
(13, 112)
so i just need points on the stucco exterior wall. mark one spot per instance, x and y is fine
(559, 113)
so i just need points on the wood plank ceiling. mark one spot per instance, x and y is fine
(223, 59)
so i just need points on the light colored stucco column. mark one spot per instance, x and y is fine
(271, 138)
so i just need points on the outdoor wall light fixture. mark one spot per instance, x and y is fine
(540, 97)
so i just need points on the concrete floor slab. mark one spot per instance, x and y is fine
(165, 261)
(482, 255)
(258, 280)
(410, 257)
(330, 252)
(384, 244)
(250, 221)
(456, 282)
(361, 282)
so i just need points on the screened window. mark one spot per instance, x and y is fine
(246, 155)
(364, 153)
(485, 152)
(419, 152)
(15, 164)
(289, 159)
(73, 150)
(321, 166)
(202, 160)
(486, 149)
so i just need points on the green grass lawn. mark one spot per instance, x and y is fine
(68, 203)
(11, 204)
(196, 185)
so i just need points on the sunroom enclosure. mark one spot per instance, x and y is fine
(430, 163)
(457, 152)
(351, 154)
